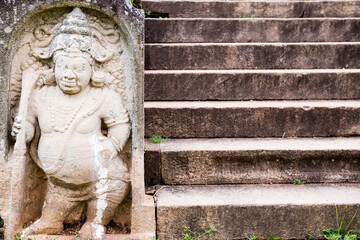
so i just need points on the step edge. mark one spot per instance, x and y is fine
(304, 145)
(252, 71)
(258, 195)
(306, 104)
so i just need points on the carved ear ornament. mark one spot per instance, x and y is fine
(100, 79)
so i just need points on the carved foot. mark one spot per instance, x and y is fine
(92, 231)
(43, 226)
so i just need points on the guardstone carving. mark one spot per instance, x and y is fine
(71, 95)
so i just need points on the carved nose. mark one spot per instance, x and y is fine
(69, 74)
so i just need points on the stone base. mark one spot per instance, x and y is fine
(139, 236)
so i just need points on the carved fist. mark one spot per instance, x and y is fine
(28, 127)
(16, 127)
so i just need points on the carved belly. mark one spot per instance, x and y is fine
(83, 159)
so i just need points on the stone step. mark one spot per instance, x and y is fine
(239, 211)
(197, 56)
(244, 9)
(216, 119)
(252, 161)
(179, 85)
(202, 30)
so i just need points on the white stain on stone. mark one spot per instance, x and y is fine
(15, 14)
(24, 233)
(101, 185)
(7, 29)
(2, 144)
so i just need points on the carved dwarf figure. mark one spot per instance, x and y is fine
(82, 164)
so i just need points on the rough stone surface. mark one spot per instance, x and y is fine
(152, 160)
(252, 119)
(193, 56)
(272, 160)
(4, 183)
(264, 9)
(252, 30)
(251, 85)
(239, 211)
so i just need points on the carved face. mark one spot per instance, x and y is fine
(72, 74)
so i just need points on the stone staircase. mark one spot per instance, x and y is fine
(253, 94)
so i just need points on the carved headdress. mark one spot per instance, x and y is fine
(73, 37)
(76, 35)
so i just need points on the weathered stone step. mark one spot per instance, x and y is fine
(240, 211)
(259, 161)
(177, 85)
(195, 56)
(252, 119)
(243, 9)
(252, 30)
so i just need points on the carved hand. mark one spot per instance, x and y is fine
(29, 128)
(16, 127)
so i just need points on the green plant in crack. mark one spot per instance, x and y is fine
(298, 181)
(18, 236)
(158, 139)
(136, 3)
(189, 234)
(272, 237)
(343, 231)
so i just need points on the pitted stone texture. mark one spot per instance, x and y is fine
(252, 30)
(240, 211)
(197, 56)
(259, 9)
(218, 119)
(4, 185)
(257, 161)
(152, 158)
(177, 85)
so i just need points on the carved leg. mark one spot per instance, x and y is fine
(101, 211)
(55, 211)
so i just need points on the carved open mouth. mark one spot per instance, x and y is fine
(69, 83)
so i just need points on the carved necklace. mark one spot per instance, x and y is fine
(59, 164)
(67, 125)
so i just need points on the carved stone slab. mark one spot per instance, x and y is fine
(71, 110)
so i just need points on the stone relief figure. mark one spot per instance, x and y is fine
(77, 124)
